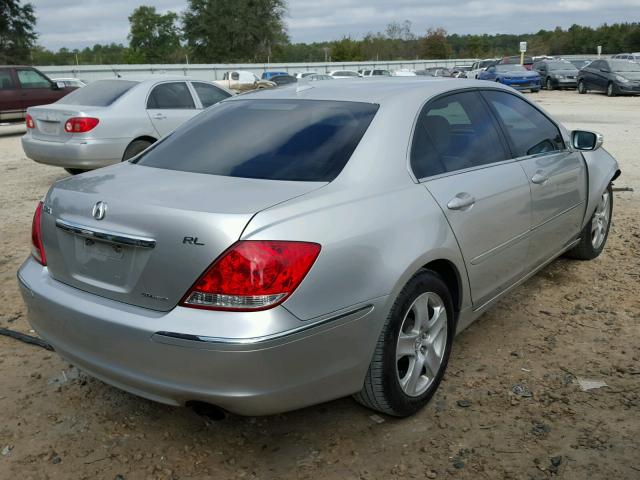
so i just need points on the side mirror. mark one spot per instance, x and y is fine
(58, 85)
(585, 140)
(604, 70)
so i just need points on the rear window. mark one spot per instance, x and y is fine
(298, 140)
(101, 93)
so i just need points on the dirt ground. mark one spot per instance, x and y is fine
(573, 320)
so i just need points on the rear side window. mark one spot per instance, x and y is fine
(453, 133)
(529, 131)
(208, 94)
(6, 81)
(32, 79)
(101, 93)
(173, 95)
(299, 140)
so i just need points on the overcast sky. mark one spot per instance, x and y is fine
(80, 23)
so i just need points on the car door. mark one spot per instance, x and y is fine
(599, 76)
(169, 105)
(588, 75)
(461, 157)
(209, 94)
(35, 88)
(10, 103)
(557, 174)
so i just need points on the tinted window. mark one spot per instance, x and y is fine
(33, 79)
(6, 82)
(529, 130)
(101, 93)
(303, 140)
(174, 95)
(453, 133)
(598, 64)
(208, 94)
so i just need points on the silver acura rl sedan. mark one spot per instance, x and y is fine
(109, 121)
(293, 246)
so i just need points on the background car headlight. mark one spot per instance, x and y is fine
(622, 79)
(560, 77)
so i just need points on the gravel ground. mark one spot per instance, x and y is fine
(572, 320)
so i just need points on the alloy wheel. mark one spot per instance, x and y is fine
(600, 221)
(421, 344)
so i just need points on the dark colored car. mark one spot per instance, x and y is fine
(281, 80)
(515, 76)
(614, 77)
(24, 87)
(270, 75)
(434, 72)
(556, 74)
(515, 60)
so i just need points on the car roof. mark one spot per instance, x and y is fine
(149, 79)
(374, 90)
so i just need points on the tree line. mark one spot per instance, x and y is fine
(254, 31)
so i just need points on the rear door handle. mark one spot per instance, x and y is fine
(540, 178)
(462, 201)
(160, 116)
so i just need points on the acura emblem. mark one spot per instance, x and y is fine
(99, 210)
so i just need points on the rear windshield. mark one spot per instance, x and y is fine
(299, 140)
(101, 93)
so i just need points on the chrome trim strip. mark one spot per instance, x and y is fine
(267, 338)
(105, 236)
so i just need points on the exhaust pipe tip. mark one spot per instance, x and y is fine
(204, 409)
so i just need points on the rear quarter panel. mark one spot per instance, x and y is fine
(372, 244)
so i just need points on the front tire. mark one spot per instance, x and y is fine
(413, 348)
(549, 84)
(75, 171)
(582, 89)
(595, 233)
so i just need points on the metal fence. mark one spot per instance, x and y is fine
(91, 73)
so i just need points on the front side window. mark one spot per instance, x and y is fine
(295, 140)
(453, 133)
(173, 95)
(6, 82)
(208, 94)
(529, 131)
(32, 79)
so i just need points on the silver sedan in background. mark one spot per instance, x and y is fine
(113, 120)
(293, 246)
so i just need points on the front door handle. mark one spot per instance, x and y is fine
(160, 116)
(540, 178)
(462, 201)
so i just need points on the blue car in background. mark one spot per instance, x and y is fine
(268, 75)
(515, 76)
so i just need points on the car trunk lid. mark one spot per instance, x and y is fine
(49, 121)
(159, 231)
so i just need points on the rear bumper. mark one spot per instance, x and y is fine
(83, 154)
(131, 348)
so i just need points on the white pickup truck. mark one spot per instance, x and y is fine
(243, 81)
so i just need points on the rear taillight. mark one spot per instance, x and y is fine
(29, 121)
(80, 124)
(37, 249)
(253, 275)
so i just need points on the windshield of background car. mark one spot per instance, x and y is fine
(486, 63)
(560, 66)
(297, 140)
(624, 66)
(510, 68)
(101, 93)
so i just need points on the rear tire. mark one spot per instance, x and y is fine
(75, 171)
(595, 233)
(611, 91)
(134, 148)
(413, 348)
(582, 89)
(535, 90)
